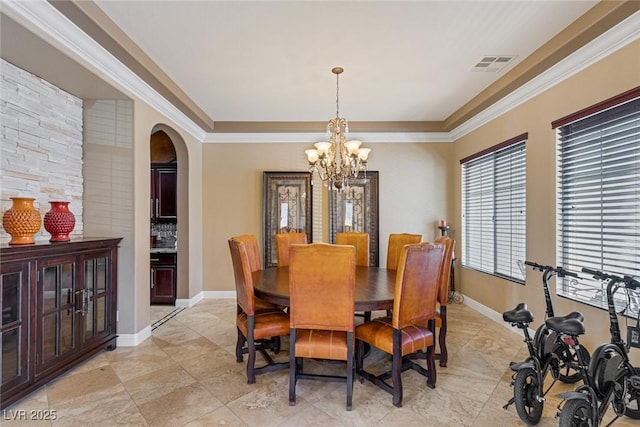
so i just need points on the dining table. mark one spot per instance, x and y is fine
(374, 287)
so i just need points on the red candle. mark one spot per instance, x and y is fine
(443, 223)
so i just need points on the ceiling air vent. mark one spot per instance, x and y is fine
(492, 63)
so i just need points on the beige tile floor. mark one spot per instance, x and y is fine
(186, 375)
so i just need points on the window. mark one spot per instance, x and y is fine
(598, 206)
(494, 209)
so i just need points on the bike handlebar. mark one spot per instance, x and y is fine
(631, 282)
(561, 272)
(600, 275)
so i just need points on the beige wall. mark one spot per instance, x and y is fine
(413, 191)
(615, 74)
(134, 287)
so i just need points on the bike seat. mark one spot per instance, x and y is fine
(574, 315)
(569, 324)
(520, 314)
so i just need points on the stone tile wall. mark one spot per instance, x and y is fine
(41, 151)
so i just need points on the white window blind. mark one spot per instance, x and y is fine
(598, 207)
(494, 209)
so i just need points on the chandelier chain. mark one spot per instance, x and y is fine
(337, 161)
(337, 95)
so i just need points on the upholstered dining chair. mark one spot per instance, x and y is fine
(321, 289)
(256, 327)
(411, 325)
(253, 252)
(361, 243)
(284, 241)
(443, 296)
(396, 242)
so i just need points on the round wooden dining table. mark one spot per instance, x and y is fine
(374, 287)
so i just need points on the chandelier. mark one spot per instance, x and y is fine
(338, 160)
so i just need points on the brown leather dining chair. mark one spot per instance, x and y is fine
(361, 243)
(396, 242)
(253, 253)
(321, 289)
(284, 241)
(256, 327)
(443, 296)
(410, 327)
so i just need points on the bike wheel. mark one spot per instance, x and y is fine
(632, 410)
(525, 393)
(568, 361)
(576, 413)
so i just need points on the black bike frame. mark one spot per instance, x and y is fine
(538, 360)
(599, 406)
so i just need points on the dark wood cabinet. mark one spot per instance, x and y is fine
(59, 307)
(163, 278)
(164, 180)
(16, 301)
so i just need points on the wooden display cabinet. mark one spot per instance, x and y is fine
(59, 307)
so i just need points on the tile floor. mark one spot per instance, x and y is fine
(186, 375)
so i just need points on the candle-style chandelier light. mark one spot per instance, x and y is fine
(337, 161)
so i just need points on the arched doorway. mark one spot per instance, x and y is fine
(168, 220)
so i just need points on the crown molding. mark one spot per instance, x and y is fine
(47, 22)
(312, 137)
(619, 36)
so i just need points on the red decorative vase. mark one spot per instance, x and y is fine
(59, 221)
(21, 221)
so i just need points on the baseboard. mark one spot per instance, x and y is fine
(186, 303)
(132, 340)
(493, 315)
(189, 302)
(219, 294)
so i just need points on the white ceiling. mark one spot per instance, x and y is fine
(271, 61)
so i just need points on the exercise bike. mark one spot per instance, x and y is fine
(609, 377)
(548, 353)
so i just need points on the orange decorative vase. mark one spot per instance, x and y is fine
(21, 221)
(59, 221)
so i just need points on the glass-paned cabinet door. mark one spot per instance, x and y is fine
(96, 277)
(14, 301)
(56, 306)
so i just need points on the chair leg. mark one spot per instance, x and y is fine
(350, 370)
(431, 367)
(396, 369)
(239, 345)
(251, 362)
(431, 356)
(442, 337)
(359, 359)
(292, 367)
